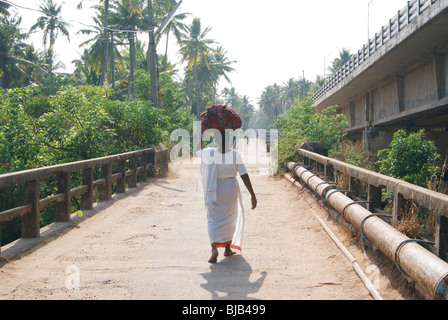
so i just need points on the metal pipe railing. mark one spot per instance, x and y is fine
(368, 284)
(426, 269)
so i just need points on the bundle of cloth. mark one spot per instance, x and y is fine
(220, 117)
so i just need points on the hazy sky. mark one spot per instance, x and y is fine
(271, 41)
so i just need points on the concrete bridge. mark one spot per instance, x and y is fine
(150, 242)
(398, 80)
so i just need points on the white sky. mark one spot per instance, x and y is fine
(271, 40)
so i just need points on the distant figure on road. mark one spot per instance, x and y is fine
(222, 195)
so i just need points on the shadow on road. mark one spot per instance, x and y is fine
(230, 279)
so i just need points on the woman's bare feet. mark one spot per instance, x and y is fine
(214, 256)
(228, 252)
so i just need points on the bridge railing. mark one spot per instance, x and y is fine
(131, 168)
(375, 183)
(409, 13)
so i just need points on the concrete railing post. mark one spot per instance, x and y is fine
(31, 222)
(62, 209)
(397, 205)
(373, 195)
(87, 198)
(105, 191)
(132, 180)
(121, 183)
(442, 237)
(144, 162)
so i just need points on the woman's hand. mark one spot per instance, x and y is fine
(254, 202)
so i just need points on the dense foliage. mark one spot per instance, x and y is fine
(303, 123)
(77, 123)
(411, 158)
(353, 153)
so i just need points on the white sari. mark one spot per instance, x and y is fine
(222, 196)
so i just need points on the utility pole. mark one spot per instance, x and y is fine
(151, 58)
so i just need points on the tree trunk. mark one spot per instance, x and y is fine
(165, 59)
(106, 43)
(151, 58)
(5, 76)
(6, 79)
(112, 61)
(131, 58)
(50, 52)
(196, 86)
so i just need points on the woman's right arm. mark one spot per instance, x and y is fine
(248, 184)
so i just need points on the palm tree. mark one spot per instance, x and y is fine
(271, 102)
(4, 8)
(194, 48)
(12, 49)
(84, 71)
(246, 111)
(94, 56)
(290, 92)
(127, 15)
(155, 16)
(220, 67)
(210, 75)
(176, 27)
(151, 57)
(304, 87)
(320, 81)
(344, 56)
(106, 42)
(231, 98)
(51, 24)
(34, 67)
(105, 39)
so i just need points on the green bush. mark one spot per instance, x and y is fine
(353, 153)
(410, 157)
(304, 123)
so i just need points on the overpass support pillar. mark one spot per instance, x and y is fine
(442, 237)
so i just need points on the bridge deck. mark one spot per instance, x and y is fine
(152, 244)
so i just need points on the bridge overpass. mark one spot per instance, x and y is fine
(398, 80)
(151, 243)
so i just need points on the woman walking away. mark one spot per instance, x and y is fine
(225, 211)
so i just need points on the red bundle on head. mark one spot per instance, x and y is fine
(220, 117)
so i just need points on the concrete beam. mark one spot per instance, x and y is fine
(406, 48)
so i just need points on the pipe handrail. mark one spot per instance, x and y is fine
(428, 271)
(432, 200)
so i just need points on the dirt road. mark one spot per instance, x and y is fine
(153, 244)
